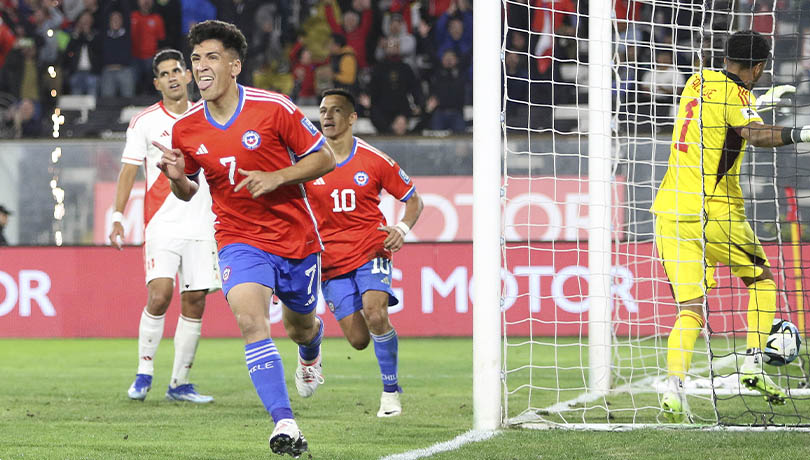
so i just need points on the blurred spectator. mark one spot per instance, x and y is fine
(147, 30)
(7, 40)
(195, 11)
(172, 13)
(661, 85)
(83, 56)
(24, 118)
(271, 63)
(343, 62)
(517, 89)
(4, 213)
(551, 20)
(354, 24)
(397, 30)
(303, 69)
(451, 34)
(72, 9)
(447, 91)
(117, 78)
(47, 20)
(394, 92)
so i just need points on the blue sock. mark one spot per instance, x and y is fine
(267, 373)
(310, 352)
(386, 347)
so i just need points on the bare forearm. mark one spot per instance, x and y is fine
(311, 167)
(413, 209)
(126, 179)
(184, 188)
(761, 135)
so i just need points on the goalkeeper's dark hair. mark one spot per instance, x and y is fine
(747, 48)
(340, 92)
(227, 33)
(165, 55)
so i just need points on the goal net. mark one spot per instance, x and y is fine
(589, 104)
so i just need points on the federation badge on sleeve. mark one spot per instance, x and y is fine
(404, 177)
(309, 126)
(361, 178)
(749, 113)
(251, 140)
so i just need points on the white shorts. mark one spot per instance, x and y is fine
(194, 261)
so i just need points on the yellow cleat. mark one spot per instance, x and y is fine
(753, 377)
(673, 403)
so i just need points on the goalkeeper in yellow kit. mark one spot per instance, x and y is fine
(700, 218)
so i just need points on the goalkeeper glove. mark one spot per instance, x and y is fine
(773, 97)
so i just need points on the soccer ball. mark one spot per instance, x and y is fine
(783, 343)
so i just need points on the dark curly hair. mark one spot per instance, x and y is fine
(225, 32)
(747, 48)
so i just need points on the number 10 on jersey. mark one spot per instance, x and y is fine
(344, 200)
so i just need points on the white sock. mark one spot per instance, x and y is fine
(186, 338)
(150, 332)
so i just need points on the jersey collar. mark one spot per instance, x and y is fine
(235, 113)
(351, 155)
(733, 77)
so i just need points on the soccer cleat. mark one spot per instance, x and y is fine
(141, 386)
(308, 377)
(287, 439)
(187, 393)
(753, 377)
(389, 405)
(673, 403)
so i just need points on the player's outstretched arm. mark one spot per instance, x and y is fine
(762, 135)
(173, 165)
(311, 167)
(396, 233)
(126, 179)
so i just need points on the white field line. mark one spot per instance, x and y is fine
(453, 444)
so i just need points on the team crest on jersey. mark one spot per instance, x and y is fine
(226, 273)
(309, 126)
(404, 176)
(251, 140)
(331, 306)
(361, 178)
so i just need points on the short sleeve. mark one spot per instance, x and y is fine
(740, 108)
(394, 180)
(297, 132)
(136, 146)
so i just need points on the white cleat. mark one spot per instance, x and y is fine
(308, 377)
(389, 405)
(287, 439)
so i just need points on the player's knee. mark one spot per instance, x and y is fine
(158, 302)
(377, 319)
(193, 304)
(358, 341)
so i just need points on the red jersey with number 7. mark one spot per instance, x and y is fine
(267, 132)
(347, 201)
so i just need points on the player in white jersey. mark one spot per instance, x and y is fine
(179, 235)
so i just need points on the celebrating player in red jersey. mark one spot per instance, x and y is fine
(257, 150)
(359, 244)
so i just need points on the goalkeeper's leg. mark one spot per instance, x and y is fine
(761, 311)
(681, 345)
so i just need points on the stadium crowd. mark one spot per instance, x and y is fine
(409, 61)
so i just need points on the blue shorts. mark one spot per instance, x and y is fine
(294, 281)
(344, 293)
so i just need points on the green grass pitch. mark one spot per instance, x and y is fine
(66, 399)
